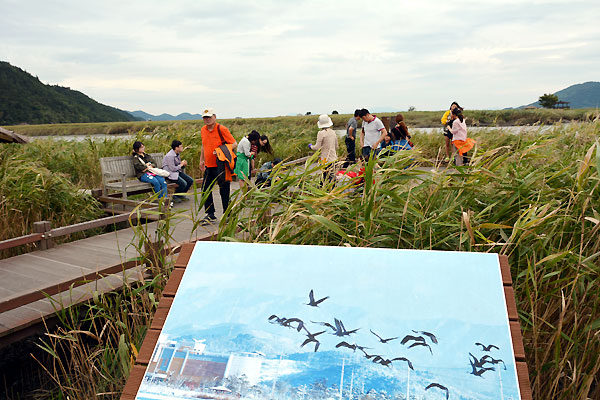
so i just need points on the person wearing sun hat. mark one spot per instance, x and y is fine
(327, 143)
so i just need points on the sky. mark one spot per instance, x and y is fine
(280, 57)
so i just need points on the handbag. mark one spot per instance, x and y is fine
(155, 171)
(159, 172)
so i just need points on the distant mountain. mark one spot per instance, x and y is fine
(24, 99)
(165, 117)
(582, 95)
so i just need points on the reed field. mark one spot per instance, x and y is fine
(533, 197)
(417, 119)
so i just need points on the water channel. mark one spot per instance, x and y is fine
(514, 130)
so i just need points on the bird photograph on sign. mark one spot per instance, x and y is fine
(317, 322)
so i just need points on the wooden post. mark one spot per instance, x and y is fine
(44, 228)
(96, 193)
(154, 254)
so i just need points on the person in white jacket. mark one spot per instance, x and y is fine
(327, 143)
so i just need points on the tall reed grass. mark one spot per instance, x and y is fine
(30, 192)
(90, 354)
(535, 198)
(412, 118)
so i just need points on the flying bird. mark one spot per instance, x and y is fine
(369, 356)
(312, 302)
(340, 330)
(421, 344)
(429, 335)
(382, 340)
(437, 385)
(327, 324)
(404, 359)
(287, 323)
(312, 337)
(488, 347)
(382, 361)
(353, 347)
(274, 319)
(479, 372)
(411, 337)
(493, 361)
(479, 363)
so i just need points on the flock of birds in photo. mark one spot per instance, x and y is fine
(420, 339)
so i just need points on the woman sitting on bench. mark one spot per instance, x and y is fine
(141, 162)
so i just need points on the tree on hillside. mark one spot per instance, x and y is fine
(548, 100)
(334, 112)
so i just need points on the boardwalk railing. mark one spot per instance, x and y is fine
(44, 233)
(44, 236)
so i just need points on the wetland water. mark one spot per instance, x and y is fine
(340, 132)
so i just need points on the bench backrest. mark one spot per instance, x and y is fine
(124, 164)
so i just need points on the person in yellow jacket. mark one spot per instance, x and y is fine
(446, 122)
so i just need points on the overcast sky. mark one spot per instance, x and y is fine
(269, 58)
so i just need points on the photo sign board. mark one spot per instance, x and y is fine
(261, 321)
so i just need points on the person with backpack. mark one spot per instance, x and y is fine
(216, 138)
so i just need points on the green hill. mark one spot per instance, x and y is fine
(24, 99)
(582, 95)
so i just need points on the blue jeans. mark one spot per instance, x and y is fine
(184, 183)
(157, 182)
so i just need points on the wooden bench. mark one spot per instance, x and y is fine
(118, 175)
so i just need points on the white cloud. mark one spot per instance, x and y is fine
(137, 84)
(274, 58)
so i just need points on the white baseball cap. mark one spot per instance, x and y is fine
(208, 112)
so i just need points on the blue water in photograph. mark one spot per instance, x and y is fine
(260, 321)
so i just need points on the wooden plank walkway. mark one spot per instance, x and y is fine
(105, 261)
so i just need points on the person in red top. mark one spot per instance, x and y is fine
(213, 135)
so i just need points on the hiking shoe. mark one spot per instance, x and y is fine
(208, 220)
(177, 199)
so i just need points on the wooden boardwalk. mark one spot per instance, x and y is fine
(34, 285)
(97, 264)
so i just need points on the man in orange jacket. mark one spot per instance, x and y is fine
(213, 135)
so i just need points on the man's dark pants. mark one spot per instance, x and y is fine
(366, 152)
(211, 174)
(184, 183)
(351, 149)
